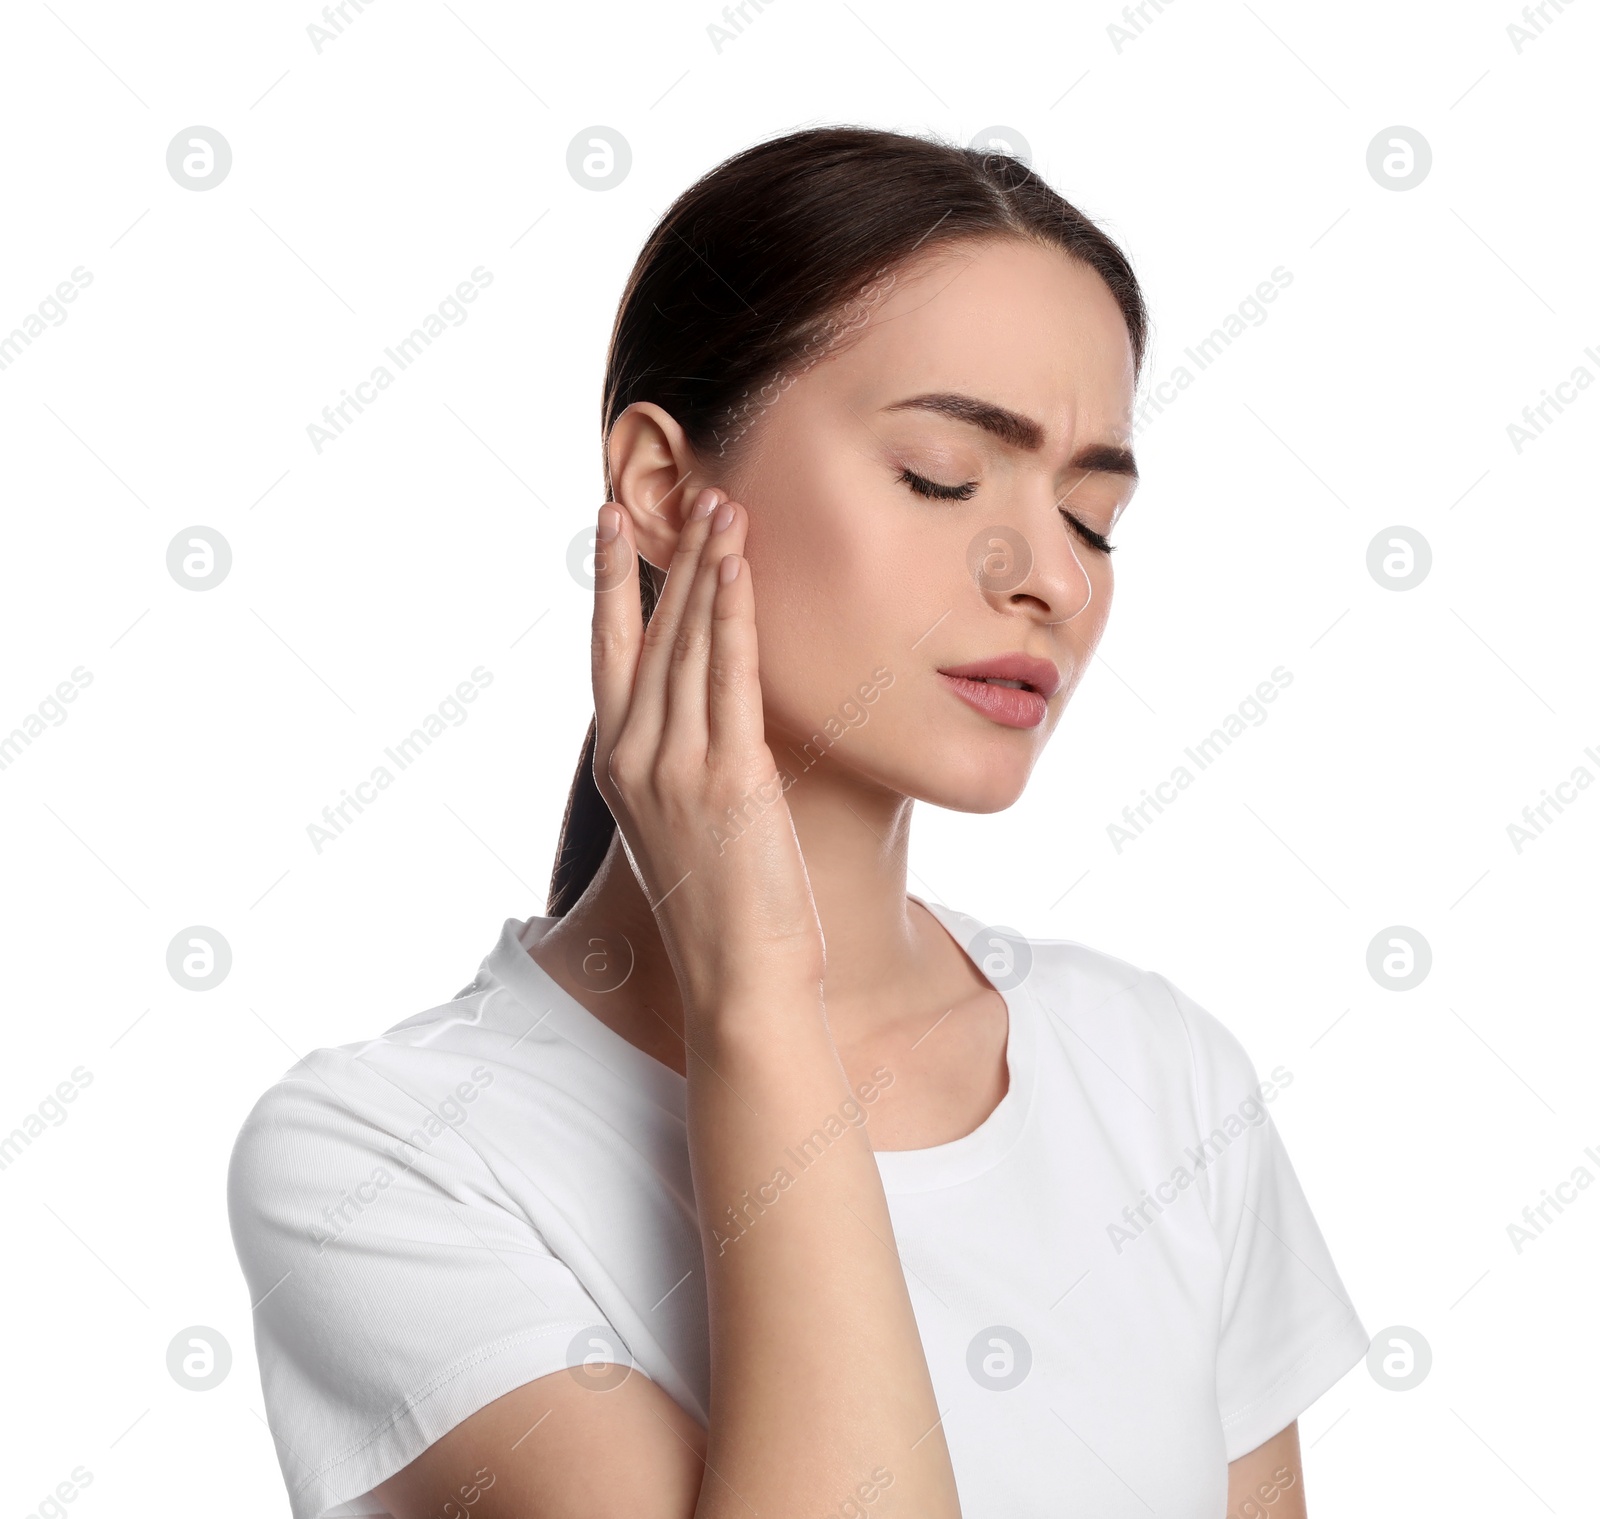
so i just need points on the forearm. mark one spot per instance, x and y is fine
(819, 1384)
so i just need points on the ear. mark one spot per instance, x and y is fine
(655, 477)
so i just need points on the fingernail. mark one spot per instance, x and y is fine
(703, 504)
(723, 518)
(610, 523)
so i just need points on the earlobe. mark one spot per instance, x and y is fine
(654, 476)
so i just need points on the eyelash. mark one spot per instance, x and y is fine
(936, 492)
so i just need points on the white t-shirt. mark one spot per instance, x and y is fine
(1118, 1281)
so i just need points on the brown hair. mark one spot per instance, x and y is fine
(746, 274)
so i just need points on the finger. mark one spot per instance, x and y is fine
(683, 731)
(616, 631)
(735, 725)
(648, 712)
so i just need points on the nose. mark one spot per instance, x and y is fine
(1031, 566)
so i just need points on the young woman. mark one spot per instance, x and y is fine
(745, 1181)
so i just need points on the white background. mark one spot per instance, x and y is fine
(432, 537)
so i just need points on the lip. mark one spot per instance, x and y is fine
(1038, 674)
(1006, 705)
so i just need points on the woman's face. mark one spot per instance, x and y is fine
(998, 371)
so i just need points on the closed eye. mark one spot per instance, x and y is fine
(1093, 539)
(936, 491)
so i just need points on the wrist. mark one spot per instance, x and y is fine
(744, 1023)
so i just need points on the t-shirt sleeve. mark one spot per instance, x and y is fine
(1288, 1330)
(395, 1289)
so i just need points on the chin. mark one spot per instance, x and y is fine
(982, 782)
(980, 796)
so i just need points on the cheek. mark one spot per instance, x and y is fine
(829, 565)
(820, 615)
(1085, 628)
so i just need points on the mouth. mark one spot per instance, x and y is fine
(1013, 689)
(1019, 672)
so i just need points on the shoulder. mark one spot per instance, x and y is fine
(1145, 1010)
(1134, 1024)
(362, 1114)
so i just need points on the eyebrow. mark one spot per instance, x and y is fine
(1012, 428)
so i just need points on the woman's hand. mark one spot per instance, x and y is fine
(681, 759)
